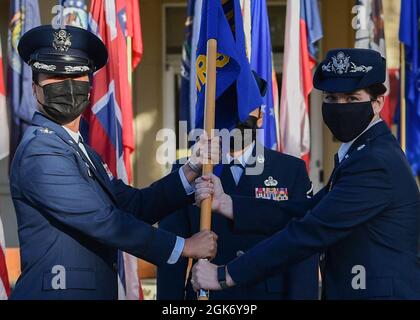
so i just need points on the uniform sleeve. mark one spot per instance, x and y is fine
(171, 278)
(362, 192)
(52, 183)
(153, 203)
(302, 278)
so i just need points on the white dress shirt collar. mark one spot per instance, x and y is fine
(74, 135)
(243, 158)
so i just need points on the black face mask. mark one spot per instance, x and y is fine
(65, 100)
(347, 120)
(250, 125)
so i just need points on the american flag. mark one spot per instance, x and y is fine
(110, 118)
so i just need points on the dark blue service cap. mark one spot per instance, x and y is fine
(69, 51)
(349, 70)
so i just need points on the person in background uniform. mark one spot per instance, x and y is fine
(283, 177)
(366, 220)
(73, 216)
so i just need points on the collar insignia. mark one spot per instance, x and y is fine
(361, 147)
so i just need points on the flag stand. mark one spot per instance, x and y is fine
(209, 122)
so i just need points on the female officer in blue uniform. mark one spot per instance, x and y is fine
(367, 219)
(72, 215)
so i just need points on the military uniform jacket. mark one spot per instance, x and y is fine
(367, 221)
(73, 216)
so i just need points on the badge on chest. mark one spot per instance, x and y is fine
(271, 192)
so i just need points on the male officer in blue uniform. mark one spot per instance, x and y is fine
(283, 177)
(366, 220)
(73, 216)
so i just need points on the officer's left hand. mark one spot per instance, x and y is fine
(204, 276)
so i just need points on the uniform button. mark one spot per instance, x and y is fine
(239, 253)
(115, 266)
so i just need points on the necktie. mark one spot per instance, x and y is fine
(336, 164)
(336, 161)
(83, 148)
(237, 170)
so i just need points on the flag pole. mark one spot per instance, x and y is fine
(130, 80)
(403, 117)
(209, 122)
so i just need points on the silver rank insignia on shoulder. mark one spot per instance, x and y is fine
(62, 40)
(361, 147)
(46, 130)
(108, 172)
(270, 182)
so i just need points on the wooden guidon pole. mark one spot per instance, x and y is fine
(209, 121)
(403, 114)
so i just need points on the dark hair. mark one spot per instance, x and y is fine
(376, 90)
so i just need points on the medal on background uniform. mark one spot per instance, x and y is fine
(270, 192)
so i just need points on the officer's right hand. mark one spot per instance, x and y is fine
(202, 245)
